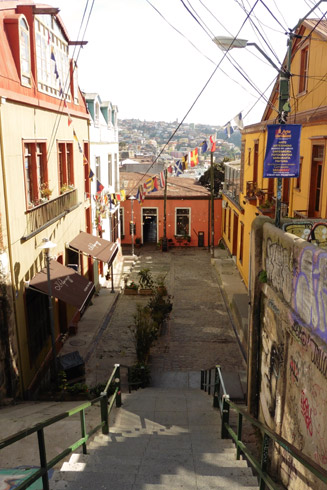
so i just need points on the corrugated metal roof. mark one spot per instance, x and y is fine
(177, 187)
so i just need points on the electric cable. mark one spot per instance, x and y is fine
(273, 16)
(199, 95)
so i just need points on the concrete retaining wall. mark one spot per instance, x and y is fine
(288, 351)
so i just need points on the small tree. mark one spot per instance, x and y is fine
(219, 176)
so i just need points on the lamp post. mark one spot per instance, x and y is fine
(212, 181)
(227, 43)
(46, 246)
(132, 199)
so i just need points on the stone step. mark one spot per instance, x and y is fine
(159, 439)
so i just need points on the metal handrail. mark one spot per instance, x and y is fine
(45, 466)
(221, 400)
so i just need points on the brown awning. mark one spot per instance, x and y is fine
(66, 285)
(95, 246)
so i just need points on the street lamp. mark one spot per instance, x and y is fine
(132, 199)
(46, 246)
(227, 43)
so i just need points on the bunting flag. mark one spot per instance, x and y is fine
(148, 185)
(69, 120)
(229, 130)
(91, 174)
(80, 149)
(155, 184)
(118, 196)
(184, 162)
(213, 143)
(123, 195)
(100, 187)
(162, 179)
(193, 158)
(170, 169)
(75, 135)
(204, 146)
(178, 168)
(238, 120)
(85, 160)
(140, 194)
(113, 199)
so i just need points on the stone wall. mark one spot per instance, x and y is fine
(288, 335)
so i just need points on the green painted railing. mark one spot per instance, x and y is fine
(212, 381)
(38, 429)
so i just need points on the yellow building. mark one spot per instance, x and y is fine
(302, 197)
(45, 194)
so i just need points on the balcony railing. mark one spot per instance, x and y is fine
(49, 212)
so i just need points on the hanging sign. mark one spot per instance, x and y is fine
(282, 157)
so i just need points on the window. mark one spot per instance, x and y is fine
(98, 168)
(66, 166)
(229, 222)
(109, 169)
(122, 223)
(116, 172)
(255, 163)
(182, 221)
(241, 242)
(36, 172)
(52, 59)
(25, 54)
(304, 70)
(298, 180)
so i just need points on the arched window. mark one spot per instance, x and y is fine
(25, 53)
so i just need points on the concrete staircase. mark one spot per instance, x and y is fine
(160, 439)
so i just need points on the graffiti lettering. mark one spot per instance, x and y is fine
(289, 462)
(306, 412)
(278, 268)
(310, 294)
(294, 370)
(319, 358)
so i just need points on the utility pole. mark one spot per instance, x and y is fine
(164, 246)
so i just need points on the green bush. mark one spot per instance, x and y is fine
(145, 331)
(139, 376)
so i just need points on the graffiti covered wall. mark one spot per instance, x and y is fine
(293, 351)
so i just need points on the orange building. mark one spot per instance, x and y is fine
(188, 218)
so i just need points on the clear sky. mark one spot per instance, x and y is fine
(135, 59)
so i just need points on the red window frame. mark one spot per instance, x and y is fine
(65, 165)
(35, 170)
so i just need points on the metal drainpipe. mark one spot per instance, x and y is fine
(4, 180)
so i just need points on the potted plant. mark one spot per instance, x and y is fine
(131, 288)
(160, 285)
(45, 191)
(145, 281)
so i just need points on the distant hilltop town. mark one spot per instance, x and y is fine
(140, 143)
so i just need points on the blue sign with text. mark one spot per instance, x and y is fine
(282, 157)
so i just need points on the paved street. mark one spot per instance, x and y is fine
(199, 333)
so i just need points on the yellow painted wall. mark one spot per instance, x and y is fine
(18, 120)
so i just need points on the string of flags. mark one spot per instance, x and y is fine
(191, 159)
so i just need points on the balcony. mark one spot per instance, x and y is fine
(251, 189)
(47, 213)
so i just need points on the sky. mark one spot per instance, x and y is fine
(139, 62)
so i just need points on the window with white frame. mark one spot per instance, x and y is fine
(183, 218)
(116, 172)
(25, 53)
(52, 58)
(98, 168)
(122, 223)
(109, 168)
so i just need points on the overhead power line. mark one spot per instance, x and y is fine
(198, 96)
